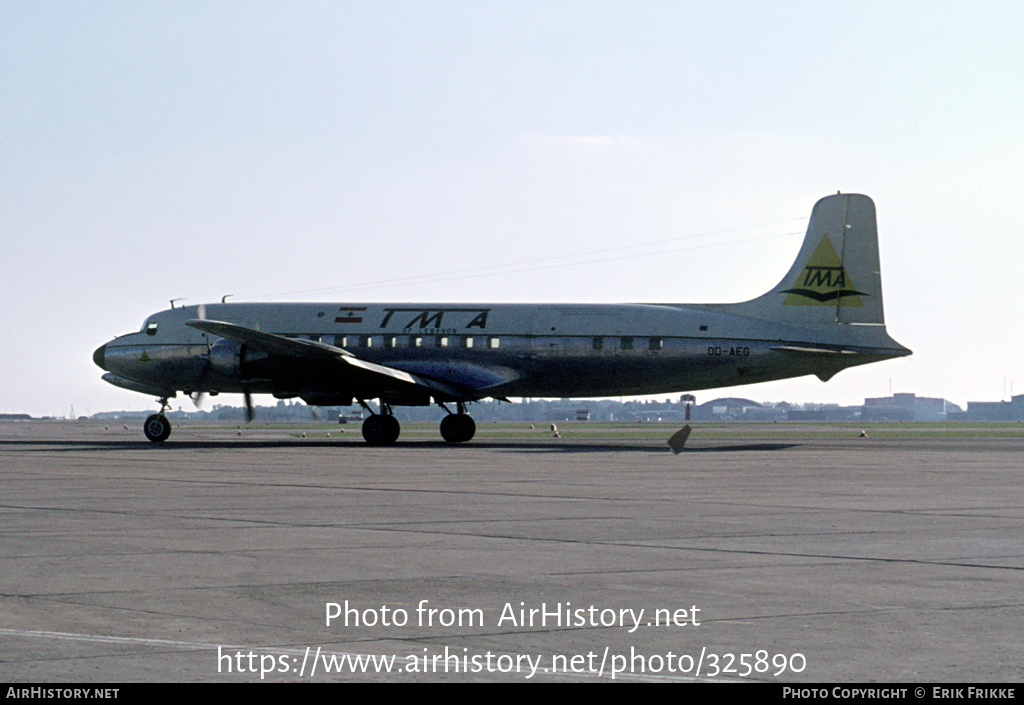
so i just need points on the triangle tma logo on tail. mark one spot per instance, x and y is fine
(823, 281)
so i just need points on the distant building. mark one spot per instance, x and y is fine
(988, 411)
(805, 415)
(825, 412)
(736, 409)
(1012, 410)
(661, 415)
(906, 406)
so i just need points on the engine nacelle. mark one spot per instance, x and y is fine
(326, 399)
(226, 358)
(409, 397)
(232, 359)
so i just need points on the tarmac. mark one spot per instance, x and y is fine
(222, 554)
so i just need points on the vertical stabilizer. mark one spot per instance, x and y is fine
(836, 277)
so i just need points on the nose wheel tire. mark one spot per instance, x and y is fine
(157, 428)
(458, 428)
(381, 429)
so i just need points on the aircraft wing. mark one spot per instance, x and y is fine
(296, 348)
(269, 343)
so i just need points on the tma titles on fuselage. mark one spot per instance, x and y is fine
(825, 315)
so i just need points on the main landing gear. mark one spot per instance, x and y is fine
(157, 428)
(383, 429)
(457, 428)
(380, 429)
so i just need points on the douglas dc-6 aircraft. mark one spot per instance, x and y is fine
(824, 316)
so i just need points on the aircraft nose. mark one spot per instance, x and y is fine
(99, 357)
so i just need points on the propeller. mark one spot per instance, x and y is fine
(199, 395)
(250, 413)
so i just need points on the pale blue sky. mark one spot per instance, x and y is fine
(158, 150)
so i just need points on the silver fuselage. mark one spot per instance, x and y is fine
(496, 350)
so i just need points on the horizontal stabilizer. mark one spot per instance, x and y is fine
(837, 351)
(812, 351)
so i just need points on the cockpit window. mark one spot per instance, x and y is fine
(151, 329)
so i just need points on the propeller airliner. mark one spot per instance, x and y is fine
(823, 316)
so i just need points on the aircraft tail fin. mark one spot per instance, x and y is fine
(836, 277)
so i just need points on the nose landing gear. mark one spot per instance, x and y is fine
(157, 428)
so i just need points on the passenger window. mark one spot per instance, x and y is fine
(415, 341)
(467, 342)
(598, 343)
(656, 344)
(390, 341)
(442, 341)
(365, 341)
(492, 342)
(626, 344)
